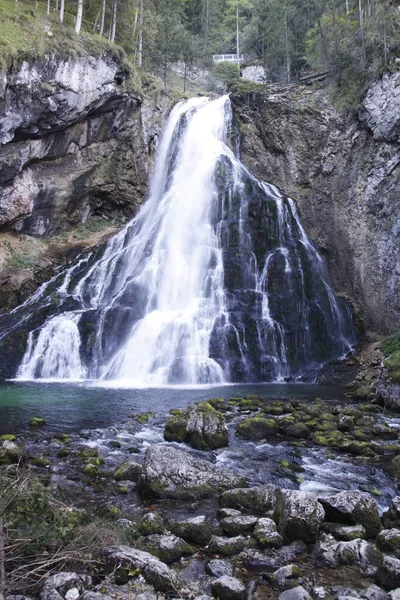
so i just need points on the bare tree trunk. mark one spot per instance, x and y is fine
(114, 22)
(237, 38)
(2, 560)
(184, 78)
(62, 8)
(360, 11)
(141, 35)
(56, 5)
(103, 16)
(96, 23)
(78, 23)
(347, 7)
(288, 64)
(48, 7)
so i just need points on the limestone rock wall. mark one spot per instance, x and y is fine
(343, 172)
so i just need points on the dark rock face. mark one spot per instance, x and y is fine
(355, 508)
(344, 175)
(74, 141)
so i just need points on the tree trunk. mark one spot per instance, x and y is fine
(48, 7)
(78, 23)
(141, 35)
(237, 38)
(360, 11)
(114, 22)
(287, 50)
(103, 16)
(184, 78)
(62, 8)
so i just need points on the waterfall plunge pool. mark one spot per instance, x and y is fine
(74, 406)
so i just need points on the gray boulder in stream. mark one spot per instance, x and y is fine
(122, 560)
(298, 515)
(202, 427)
(353, 508)
(172, 473)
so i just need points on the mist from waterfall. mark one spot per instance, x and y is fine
(215, 280)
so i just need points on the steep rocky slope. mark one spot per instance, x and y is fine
(343, 171)
(76, 141)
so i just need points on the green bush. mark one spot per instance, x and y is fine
(227, 72)
(391, 344)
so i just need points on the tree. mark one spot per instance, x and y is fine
(62, 8)
(79, 14)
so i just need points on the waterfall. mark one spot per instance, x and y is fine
(215, 280)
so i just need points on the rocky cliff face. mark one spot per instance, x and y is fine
(343, 171)
(75, 142)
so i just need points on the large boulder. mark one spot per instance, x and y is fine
(358, 552)
(241, 525)
(296, 593)
(227, 546)
(389, 541)
(299, 516)
(388, 575)
(124, 560)
(257, 428)
(228, 588)
(172, 473)
(353, 508)
(203, 427)
(258, 500)
(196, 531)
(266, 535)
(168, 548)
(57, 587)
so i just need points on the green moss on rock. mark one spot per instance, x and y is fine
(257, 428)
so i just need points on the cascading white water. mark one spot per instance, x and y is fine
(214, 280)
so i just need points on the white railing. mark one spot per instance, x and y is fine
(227, 58)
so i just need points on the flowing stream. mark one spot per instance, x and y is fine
(215, 280)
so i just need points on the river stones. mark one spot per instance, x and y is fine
(65, 585)
(228, 588)
(168, 548)
(296, 593)
(354, 508)
(257, 428)
(227, 546)
(151, 523)
(358, 552)
(241, 525)
(388, 575)
(345, 533)
(258, 500)
(285, 577)
(389, 541)
(124, 560)
(128, 471)
(298, 515)
(196, 531)
(172, 473)
(202, 426)
(266, 535)
(218, 568)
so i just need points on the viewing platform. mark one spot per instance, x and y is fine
(233, 58)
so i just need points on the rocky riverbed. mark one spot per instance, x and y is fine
(231, 498)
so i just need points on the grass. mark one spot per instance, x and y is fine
(24, 32)
(19, 260)
(391, 349)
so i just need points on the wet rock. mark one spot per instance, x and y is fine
(258, 500)
(266, 535)
(388, 574)
(238, 525)
(257, 428)
(196, 531)
(59, 585)
(203, 427)
(373, 592)
(391, 517)
(123, 559)
(218, 568)
(394, 594)
(358, 552)
(319, 593)
(286, 577)
(355, 508)
(168, 548)
(228, 588)
(222, 513)
(298, 515)
(389, 541)
(227, 546)
(345, 533)
(128, 471)
(296, 593)
(10, 452)
(151, 523)
(298, 430)
(124, 523)
(172, 473)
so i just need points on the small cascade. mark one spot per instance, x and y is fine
(215, 280)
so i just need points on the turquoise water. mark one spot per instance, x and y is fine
(74, 406)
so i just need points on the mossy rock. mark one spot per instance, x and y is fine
(175, 428)
(257, 428)
(128, 471)
(143, 418)
(37, 422)
(87, 454)
(7, 437)
(91, 470)
(394, 468)
(61, 437)
(151, 523)
(63, 453)
(215, 402)
(361, 393)
(298, 430)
